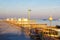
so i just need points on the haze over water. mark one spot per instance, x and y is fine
(54, 22)
(40, 8)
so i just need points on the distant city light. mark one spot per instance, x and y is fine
(7, 19)
(12, 19)
(24, 19)
(50, 18)
(19, 19)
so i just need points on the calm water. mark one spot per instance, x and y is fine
(54, 22)
(12, 32)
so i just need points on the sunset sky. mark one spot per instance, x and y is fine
(39, 8)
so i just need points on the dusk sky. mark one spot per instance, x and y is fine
(39, 8)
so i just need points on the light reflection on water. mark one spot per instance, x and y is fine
(14, 33)
(24, 35)
(8, 32)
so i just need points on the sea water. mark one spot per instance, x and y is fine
(53, 22)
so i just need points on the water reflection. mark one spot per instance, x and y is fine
(8, 32)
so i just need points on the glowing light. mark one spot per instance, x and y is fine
(19, 19)
(24, 19)
(50, 18)
(7, 19)
(12, 19)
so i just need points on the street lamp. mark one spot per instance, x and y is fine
(50, 19)
(29, 11)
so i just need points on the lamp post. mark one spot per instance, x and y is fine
(29, 11)
(50, 19)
